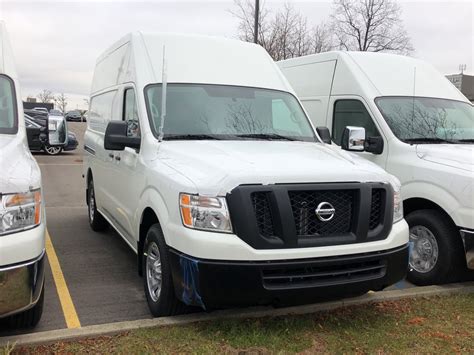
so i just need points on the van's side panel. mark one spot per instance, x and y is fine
(314, 94)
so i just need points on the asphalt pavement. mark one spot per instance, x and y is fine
(96, 280)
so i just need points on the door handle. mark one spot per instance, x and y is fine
(117, 158)
(111, 155)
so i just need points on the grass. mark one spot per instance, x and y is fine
(424, 325)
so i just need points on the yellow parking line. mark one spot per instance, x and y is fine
(69, 311)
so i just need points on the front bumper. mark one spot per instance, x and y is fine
(20, 286)
(215, 284)
(468, 241)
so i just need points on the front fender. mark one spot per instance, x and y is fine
(436, 194)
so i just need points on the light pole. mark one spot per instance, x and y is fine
(255, 29)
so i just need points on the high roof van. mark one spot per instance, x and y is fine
(201, 157)
(22, 218)
(418, 127)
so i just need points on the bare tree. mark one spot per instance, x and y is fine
(45, 96)
(284, 34)
(370, 25)
(60, 101)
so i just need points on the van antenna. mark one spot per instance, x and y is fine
(163, 97)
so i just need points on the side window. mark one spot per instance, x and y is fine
(130, 114)
(8, 117)
(351, 113)
(101, 110)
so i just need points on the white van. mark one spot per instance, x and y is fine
(22, 220)
(200, 156)
(420, 128)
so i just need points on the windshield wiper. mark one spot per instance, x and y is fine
(429, 140)
(467, 140)
(190, 137)
(267, 136)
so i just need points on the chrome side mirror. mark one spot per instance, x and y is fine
(353, 139)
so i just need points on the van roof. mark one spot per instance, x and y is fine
(384, 74)
(138, 57)
(6, 56)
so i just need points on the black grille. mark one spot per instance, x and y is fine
(376, 209)
(305, 203)
(318, 275)
(261, 206)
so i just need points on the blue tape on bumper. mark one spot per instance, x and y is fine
(190, 269)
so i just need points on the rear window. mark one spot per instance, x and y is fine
(8, 114)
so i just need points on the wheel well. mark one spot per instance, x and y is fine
(149, 218)
(414, 204)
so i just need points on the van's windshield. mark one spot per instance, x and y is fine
(195, 111)
(428, 120)
(8, 119)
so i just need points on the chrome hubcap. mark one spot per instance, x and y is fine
(424, 249)
(153, 271)
(53, 150)
(91, 203)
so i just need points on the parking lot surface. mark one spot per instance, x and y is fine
(95, 278)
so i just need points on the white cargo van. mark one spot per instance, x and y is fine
(420, 128)
(200, 156)
(22, 222)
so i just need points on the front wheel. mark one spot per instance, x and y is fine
(435, 255)
(53, 150)
(158, 282)
(96, 220)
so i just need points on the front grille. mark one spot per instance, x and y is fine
(280, 216)
(376, 209)
(305, 203)
(263, 215)
(316, 275)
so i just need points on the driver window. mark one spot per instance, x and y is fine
(130, 113)
(351, 113)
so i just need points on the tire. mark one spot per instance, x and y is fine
(51, 150)
(29, 318)
(155, 261)
(97, 222)
(431, 233)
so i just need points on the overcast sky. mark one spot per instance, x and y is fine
(56, 43)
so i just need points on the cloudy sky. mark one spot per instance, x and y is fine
(56, 43)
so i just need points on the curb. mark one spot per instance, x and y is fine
(254, 312)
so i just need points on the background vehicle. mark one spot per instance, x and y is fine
(74, 116)
(232, 199)
(419, 128)
(22, 220)
(34, 129)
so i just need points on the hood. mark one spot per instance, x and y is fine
(460, 156)
(216, 167)
(19, 170)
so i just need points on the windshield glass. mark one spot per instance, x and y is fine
(428, 120)
(227, 112)
(8, 119)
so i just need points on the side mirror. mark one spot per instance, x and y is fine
(323, 133)
(57, 131)
(116, 137)
(374, 145)
(353, 139)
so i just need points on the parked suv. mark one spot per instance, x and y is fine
(419, 128)
(22, 222)
(201, 157)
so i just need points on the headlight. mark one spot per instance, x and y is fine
(204, 212)
(20, 211)
(397, 205)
